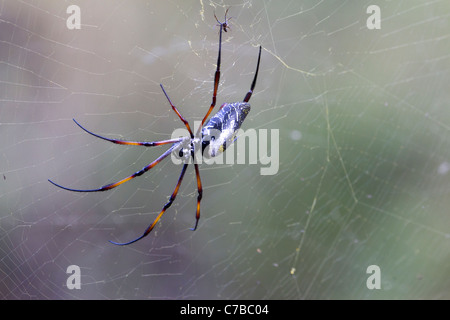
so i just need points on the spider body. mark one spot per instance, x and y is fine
(213, 138)
(224, 24)
(220, 131)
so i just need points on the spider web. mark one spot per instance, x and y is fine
(364, 150)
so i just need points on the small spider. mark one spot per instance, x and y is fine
(213, 138)
(224, 24)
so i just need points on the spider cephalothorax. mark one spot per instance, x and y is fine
(212, 137)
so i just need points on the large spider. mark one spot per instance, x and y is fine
(218, 133)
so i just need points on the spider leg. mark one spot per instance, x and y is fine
(219, 23)
(226, 12)
(199, 197)
(131, 143)
(249, 94)
(166, 206)
(186, 123)
(118, 183)
(216, 82)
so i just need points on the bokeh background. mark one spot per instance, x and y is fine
(364, 150)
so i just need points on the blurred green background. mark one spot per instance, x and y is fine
(364, 172)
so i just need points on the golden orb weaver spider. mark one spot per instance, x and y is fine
(215, 136)
(224, 24)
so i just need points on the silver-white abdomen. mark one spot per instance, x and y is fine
(220, 131)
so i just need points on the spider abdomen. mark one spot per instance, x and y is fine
(220, 131)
